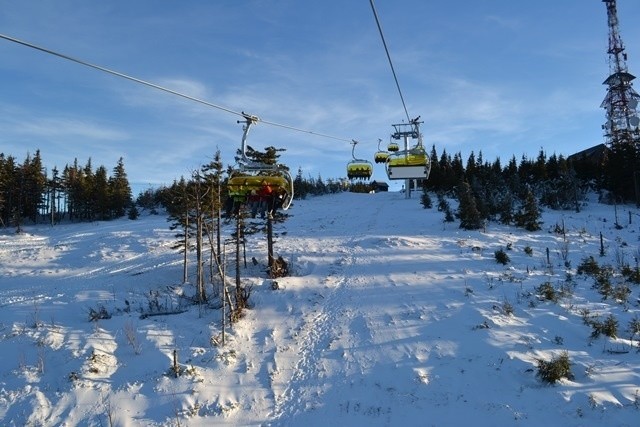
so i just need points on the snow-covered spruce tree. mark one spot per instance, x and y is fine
(133, 212)
(443, 206)
(505, 208)
(425, 199)
(562, 192)
(528, 217)
(470, 218)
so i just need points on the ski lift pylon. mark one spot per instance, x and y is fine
(410, 163)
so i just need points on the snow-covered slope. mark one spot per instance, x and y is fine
(390, 317)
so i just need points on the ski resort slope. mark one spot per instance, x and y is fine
(390, 317)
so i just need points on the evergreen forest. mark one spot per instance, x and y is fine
(511, 193)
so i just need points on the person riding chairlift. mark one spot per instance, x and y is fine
(266, 199)
(254, 201)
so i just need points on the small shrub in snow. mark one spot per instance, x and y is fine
(608, 327)
(566, 289)
(501, 257)
(559, 229)
(589, 266)
(98, 313)
(443, 206)
(621, 293)
(603, 282)
(554, 370)
(280, 268)
(528, 250)
(507, 308)
(131, 334)
(547, 292)
(631, 274)
(587, 317)
(483, 325)
(634, 327)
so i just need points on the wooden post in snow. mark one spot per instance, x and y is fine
(270, 243)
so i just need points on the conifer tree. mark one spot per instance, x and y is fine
(100, 194)
(443, 206)
(539, 168)
(33, 182)
(178, 209)
(470, 218)
(529, 215)
(9, 186)
(621, 171)
(434, 183)
(471, 169)
(133, 212)
(120, 191)
(54, 190)
(72, 178)
(448, 179)
(87, 192)
(457, 168)
(425, 199)
(299, 186)
(505, 208)
(213, 176)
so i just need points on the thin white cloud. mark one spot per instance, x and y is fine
(59, 127)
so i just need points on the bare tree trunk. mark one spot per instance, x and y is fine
(238, 235)
(52, 204)
(202, 297)
(270, 243)
(185, 276)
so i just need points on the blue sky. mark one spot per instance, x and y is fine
(502, 77)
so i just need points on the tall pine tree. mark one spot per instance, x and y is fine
(120, 191)
(470, 218)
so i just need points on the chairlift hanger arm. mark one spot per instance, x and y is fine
(353, 148)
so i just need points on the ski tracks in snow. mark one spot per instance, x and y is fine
(320, 355)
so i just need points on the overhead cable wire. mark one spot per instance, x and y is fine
(386, 49)
(164, 89)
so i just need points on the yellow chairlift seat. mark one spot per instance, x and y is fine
(242, 185)
(393, 147)
(409, 164)
(381, 156)
(413, 157)
(253, 175)
(359, 169)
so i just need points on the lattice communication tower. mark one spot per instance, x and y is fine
(621, 101)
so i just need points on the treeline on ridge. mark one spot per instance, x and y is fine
(485, 190)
